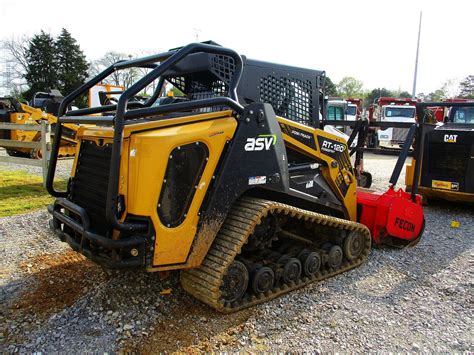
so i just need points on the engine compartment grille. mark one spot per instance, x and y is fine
(89, 185)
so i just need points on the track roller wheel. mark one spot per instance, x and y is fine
(291, 270)
(264, 234)
(335, 256)
(263, 280)
(235, 281)
(353, 245)
(311, 262)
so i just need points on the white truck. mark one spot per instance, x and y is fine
(391, 109)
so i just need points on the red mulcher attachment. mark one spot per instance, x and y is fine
(393, 217)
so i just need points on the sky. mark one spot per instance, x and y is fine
(373, 41)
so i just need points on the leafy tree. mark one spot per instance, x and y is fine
(71, 62)
(422, 96)
(41, 70)
(466, 87)
(437, 95)
(404, 95)
(373, 96)
(42, 63)
(330, 88)
(350, 87)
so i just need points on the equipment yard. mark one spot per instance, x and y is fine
(417, 299)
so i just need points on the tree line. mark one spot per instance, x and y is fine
(44, 62)
(349, 87)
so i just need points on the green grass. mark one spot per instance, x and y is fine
(21, 192)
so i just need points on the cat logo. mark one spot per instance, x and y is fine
(450, 138)
(263, 142)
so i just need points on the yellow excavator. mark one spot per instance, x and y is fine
(234, 183)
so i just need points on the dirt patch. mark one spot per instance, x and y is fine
(194, 328)
(56, 282)
(60, 278)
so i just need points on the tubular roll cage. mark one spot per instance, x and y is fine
(166, 61)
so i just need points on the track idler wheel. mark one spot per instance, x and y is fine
(264, 234)
(235, 282)
(353, 245)
(310, 261)
(335, 256)
(291, 269)
(263, 279)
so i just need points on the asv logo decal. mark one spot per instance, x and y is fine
(450, 138)
(262, 142)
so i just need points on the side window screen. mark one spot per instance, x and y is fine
(183, 173)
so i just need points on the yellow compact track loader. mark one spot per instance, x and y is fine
(233, 184)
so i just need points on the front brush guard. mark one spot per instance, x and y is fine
(62, 211)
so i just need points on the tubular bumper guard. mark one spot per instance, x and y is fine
(61, 217)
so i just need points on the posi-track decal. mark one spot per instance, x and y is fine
(301, 136)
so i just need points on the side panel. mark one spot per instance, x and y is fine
(149, 155)
(255, 159)
(333, 152)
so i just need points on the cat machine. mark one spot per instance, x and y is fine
(447, 153)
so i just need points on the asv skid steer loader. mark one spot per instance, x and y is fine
(233, 183)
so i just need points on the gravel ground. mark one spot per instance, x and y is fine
(418, 299)
(381, 167)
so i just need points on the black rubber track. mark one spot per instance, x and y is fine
(204, 282)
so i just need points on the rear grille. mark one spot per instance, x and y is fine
(89, 187)
(448, 159)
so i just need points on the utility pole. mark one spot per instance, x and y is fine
(416, 60)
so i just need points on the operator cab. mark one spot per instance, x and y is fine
(461, 115)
